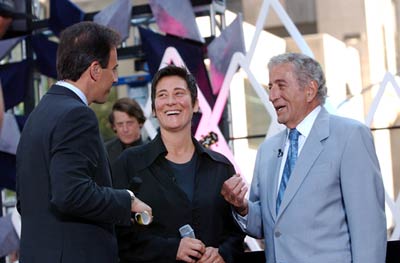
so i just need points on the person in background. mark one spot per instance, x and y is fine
(68, 208)
(5, 18)
(10, 228)
(126, 120)
(317, 193)
(181, 180)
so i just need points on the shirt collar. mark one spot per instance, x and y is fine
(74, 89)
(304, 127)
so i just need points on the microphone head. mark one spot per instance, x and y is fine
(186, 231)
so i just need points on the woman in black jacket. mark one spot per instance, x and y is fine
(181, 181)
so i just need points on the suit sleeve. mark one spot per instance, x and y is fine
(77, 163)
(254, 226)
(363, 196)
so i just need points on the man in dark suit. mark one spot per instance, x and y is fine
(64, 192)
(317, 193)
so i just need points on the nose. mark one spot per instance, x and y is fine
(125, 127)
(273, 93)
(171, 99)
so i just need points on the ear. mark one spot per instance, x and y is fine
(95, 70)
(311, 90)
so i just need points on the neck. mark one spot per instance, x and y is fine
(83, 86)
(180, 148)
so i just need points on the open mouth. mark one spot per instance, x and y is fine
(172, 112)
(279, 108)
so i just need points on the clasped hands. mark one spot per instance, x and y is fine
(192, 250)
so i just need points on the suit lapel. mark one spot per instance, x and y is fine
(310, 152)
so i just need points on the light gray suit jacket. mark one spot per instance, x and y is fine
(333, 208)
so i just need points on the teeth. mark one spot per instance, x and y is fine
(172, 112)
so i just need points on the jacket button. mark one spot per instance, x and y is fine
(278, 234)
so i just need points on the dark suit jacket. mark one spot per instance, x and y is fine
(209, 214)
(63, 185)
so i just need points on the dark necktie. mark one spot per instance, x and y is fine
(289, 165)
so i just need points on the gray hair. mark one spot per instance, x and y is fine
(306, 69)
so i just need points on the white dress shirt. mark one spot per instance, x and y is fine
(304, 127)
(74, 89)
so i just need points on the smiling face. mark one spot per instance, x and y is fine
(173, 105)
(291, 101)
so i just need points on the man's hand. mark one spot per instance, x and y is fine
(190, 250)
(138, 206)
(233, 190)
(211, 256)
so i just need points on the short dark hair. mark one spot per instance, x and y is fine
(130, 107)
(80, 45)
(172, 70)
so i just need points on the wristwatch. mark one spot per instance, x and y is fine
(132, 195)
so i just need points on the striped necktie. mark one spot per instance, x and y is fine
(289, 165)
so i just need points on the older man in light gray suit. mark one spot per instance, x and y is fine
(318, 197)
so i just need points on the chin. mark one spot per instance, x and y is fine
(102, 101)
(127, 142)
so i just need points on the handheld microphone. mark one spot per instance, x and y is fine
(280, 153)
(186, 231)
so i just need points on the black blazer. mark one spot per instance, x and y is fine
(209, 214)
(114, 149)
(63, 185)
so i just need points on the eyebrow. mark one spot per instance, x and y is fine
(277, 81)
(280, 81)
